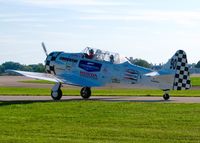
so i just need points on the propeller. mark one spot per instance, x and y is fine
(44, 48)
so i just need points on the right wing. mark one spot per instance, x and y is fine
(64, 78)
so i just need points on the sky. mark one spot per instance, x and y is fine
(148, 29)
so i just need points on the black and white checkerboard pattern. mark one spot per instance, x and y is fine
(50, 62)
(182, 75)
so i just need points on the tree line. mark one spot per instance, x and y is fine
(197, 65)
(144, 63)
(17, 66)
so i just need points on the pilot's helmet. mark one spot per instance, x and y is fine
(111, 57)
(91, 51)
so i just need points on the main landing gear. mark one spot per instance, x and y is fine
(56, 92)
(85, 92)
(166, 95)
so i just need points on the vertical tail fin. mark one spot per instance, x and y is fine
(178, 65)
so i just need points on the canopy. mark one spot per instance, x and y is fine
(102, 55)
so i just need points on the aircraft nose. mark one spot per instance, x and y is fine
(51, 62)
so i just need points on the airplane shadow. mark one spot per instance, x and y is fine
(13, 102)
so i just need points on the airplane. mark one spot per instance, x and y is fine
(96, 68)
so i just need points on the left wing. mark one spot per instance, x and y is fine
(36, 75)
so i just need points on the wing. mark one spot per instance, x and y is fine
(64, 78)
(36, 75)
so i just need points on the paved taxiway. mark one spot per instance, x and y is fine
(101, 98)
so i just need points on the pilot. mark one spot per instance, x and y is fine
(91, 54)
(111, 58)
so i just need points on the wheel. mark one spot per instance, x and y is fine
(56, 95)
(166, 96)
(85, 92)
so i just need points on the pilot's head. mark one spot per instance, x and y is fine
(91, 51)
(111, 57)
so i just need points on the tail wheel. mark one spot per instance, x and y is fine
(166, 96)
(56, 95)
(85, 92)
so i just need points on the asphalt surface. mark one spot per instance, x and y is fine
(100, 98)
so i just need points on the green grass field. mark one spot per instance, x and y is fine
(93, 121)
(195, 81)
(98, 121)
(95, 92)
(37, 81)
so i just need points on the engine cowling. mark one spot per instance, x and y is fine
(50, 62)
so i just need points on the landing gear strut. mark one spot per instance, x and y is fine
(56, 92)
(85, 92)
(166, 95)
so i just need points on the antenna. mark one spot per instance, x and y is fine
(128, 59)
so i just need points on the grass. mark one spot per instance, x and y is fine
(195, 81)
(95, 92)
(38, 81)
(102, 122)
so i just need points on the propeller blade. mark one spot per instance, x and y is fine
(44, 48)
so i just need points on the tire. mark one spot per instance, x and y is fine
(56, 95)
(166, 96)
(85, 92)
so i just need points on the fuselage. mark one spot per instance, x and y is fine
(95, 68)
(76, 69)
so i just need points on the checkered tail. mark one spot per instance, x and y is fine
(182, 76)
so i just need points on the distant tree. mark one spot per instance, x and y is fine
(1, 70)
(198, 65)
(26, 68)
(17, 66)
(12, 65)
(37, 68)
(140, 62)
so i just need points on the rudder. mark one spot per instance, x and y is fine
(179, 63)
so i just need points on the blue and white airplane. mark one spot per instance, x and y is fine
(96, 68)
